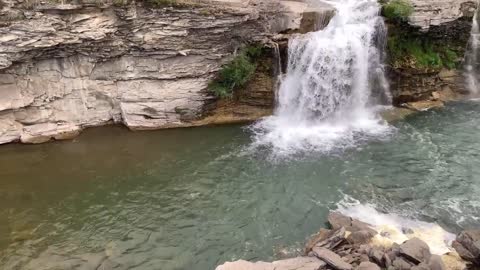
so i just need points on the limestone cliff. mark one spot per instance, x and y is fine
(426, 52)
(67, 66)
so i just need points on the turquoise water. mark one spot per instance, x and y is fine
(194, 198)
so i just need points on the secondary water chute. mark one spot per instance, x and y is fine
(472, 66)
(326, 99)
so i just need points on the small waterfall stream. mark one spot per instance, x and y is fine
(325, 100)
(472, 66)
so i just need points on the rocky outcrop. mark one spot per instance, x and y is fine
(426, 53)
(331, 249)
(430, 14)
(64, 67)
(467, 245)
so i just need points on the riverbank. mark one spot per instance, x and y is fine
(353, 244)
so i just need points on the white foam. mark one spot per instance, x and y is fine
(393, 228)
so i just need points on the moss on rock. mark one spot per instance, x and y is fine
(408, 48)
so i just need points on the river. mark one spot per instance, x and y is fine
(194, 198)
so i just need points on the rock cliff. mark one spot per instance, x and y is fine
(67, 66)
(426, 52)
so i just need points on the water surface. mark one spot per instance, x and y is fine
(194, 198)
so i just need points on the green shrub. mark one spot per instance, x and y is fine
(451, 58)
(237, 73)
(120, 3)
(415, 52)
(170, 3)
(397, 10)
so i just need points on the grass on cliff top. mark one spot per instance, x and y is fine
(417, 53)
(236, 73)
(398, 10)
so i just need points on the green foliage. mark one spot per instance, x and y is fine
(237, 73)
(170, 3)
(120, 3)
(415, 52)
(397, 10)
(451, 58)
(163, 3)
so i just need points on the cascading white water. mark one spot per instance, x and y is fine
(472, 61)
(325, 100)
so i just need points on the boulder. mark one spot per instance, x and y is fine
(421, 266)
(377, 255)
(314, 239)
(333, 239)
(436, 263)
(298, 263)
(387, 258)
(331, 258)
(368, 266)
(415, 250)
(338, 220)
(245, 265)
(401, 264)
(360, 237)
(463, 252)
(467, 245)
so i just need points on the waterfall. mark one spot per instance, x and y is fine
(334, 80)
(472, 62)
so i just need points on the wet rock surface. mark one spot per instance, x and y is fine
(333, 249)
(467, 245)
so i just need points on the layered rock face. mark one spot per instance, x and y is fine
(64, 67)
(445, 27)
(429, 14)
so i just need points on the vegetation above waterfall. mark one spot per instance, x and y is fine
(237, 72)
(409, 48)
(397, 10)
(408, 51)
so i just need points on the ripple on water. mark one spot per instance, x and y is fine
(193, 198)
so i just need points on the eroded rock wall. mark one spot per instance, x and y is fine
(64, 67)
(444, 26)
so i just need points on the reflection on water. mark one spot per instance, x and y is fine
(192, 198)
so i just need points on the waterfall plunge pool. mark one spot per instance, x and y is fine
(194, 198)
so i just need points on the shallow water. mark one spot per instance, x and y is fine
(193, 198)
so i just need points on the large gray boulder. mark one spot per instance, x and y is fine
(467, 245)
(415, 250)
(436, 263)
(331, 258)
(338, 220)
(298, 263)
(368, 266)
(401, 264)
